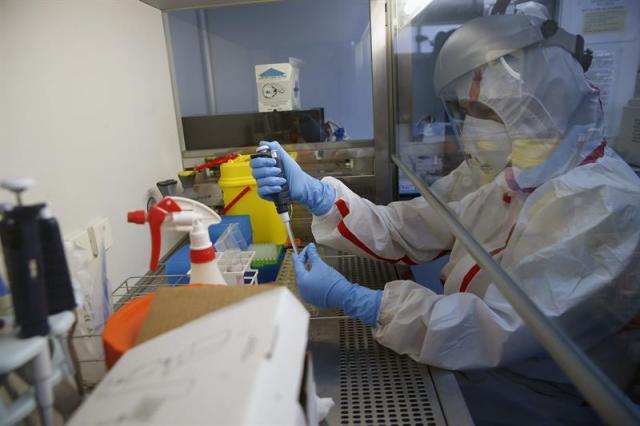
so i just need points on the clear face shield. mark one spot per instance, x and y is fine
(498, 120)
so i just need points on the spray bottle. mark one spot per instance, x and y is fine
(186, 215)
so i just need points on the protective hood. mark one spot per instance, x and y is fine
(544, 101)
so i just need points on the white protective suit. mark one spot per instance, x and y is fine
(567, 231)
(549, 253)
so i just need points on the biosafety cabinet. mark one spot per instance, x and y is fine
(356, 80)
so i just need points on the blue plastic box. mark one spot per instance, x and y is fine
(242, 220)
(178, 264)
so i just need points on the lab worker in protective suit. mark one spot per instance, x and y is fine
(540, 190)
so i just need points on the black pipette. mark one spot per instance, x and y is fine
(20, 232)
(282, 200)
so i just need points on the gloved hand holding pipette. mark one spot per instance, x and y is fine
(319, 283)
(315, 195)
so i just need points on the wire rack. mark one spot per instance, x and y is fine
(89, 346)
(136, 286)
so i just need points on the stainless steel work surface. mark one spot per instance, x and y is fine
(370, 383)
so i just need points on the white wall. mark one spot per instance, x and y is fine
(86, 109)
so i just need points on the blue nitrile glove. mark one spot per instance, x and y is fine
(323, 286)
(316, 196)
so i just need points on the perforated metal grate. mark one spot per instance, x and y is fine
(378, 386)
(375, 385)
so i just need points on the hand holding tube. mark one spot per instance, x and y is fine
(325, 287)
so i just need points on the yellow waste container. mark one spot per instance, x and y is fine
(241, 197)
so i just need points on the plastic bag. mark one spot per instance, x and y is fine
(89, 275)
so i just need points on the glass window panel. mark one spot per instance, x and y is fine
(424, 139)
(215, 52)
(571, 242)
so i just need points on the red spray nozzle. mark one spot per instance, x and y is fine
(157, 214)
(137, 216)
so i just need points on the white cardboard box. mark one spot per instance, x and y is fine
(278, 86)
(243, 364)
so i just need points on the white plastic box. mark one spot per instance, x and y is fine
(278, 86)
(243, 364)
(236, 269)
